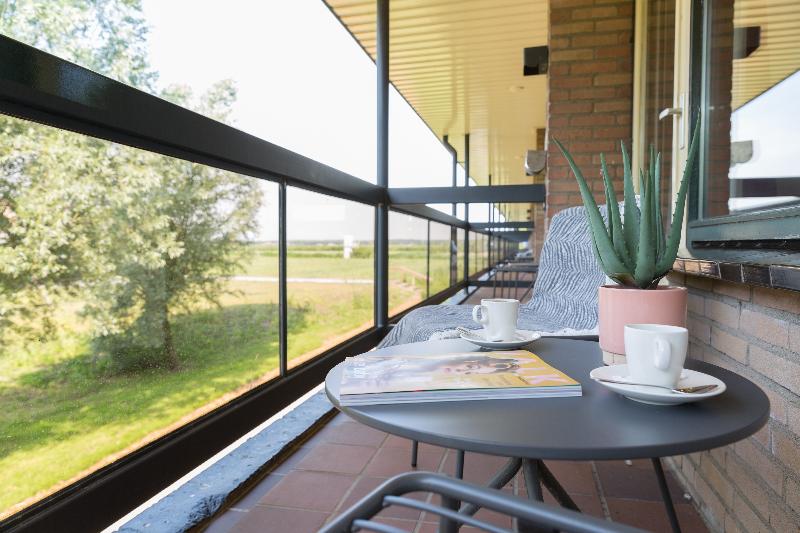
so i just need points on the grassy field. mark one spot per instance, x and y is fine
(64, 412)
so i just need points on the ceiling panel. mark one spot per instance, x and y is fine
(459, 63)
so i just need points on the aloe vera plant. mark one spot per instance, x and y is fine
(632, 249)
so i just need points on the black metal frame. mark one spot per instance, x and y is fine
(533, 515)
(40, 87)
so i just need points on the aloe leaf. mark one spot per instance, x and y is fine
(611, 263)
(641, 188)
(674, 238)
(645, 258)
(631, 225)
(659, 229)
(614, 221)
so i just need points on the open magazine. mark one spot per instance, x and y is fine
(375, 379)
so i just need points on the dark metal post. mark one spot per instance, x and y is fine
(665, 495)
(283, 311)
(382, 210)
(452, 150)
(466, 207)
(428, 264)
(491, 219)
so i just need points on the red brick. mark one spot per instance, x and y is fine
(572, 54)
(595, 12)
(777, 299)
(594, 67)
(592, 119)
(767, 328)
(595, 39)
(725, 314)
(613, 79)
(614, 51)
(739, 291)
(572, 28)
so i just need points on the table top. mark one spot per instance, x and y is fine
(598, 425)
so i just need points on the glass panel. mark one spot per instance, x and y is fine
(408, 261)
(137, 292)
(659, 78)
(329, 270)
(440, 257)
(473, 253)
(150, 46)
(460, 236)
(752, 110)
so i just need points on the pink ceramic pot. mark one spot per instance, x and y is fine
(621, 305)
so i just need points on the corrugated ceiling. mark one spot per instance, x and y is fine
(778, 55)
(459, 63)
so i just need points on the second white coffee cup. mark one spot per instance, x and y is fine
(498, 317)
(655, 353)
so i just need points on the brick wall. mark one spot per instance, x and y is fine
(753, 485)
(591, 90)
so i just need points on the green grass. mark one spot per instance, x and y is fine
(63, 410)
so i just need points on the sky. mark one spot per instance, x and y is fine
(305, 84)
(770, 122)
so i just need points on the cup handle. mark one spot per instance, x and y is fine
(663, 354)
(484, 318)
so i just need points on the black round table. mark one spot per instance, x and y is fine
(598, 425)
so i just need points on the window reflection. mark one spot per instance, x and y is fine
(752, 109)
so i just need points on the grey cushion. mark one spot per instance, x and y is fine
(564, 295)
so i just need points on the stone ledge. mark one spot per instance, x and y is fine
(773, 276)
(202, 496)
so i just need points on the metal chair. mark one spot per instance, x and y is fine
(530, 514)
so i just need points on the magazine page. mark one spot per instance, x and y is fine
(371, 374)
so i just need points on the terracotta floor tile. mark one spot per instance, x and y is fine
(575, 476)
(366, 484)
(341, 458)
(323, 475)
(478, 468)
(226, 522)
(257, 492)
(621, 481)
(317, 491)
(277, 520)
(652, 516)
(288, 464)
(352, 433)
(388, 462)
(587, 503)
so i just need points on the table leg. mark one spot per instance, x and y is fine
(662, 485)
(459, 464)
(533, 485)
(554, 487)
(448, 525)
(414, 453)
(530, 469)
(499, 481)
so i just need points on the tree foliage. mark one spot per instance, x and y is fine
(134, 235)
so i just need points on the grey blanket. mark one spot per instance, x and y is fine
(564, 295)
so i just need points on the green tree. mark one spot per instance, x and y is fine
(134, 234)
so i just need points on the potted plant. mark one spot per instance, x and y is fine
(633, 250)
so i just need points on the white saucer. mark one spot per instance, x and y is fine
(653, 395)
(524, 338)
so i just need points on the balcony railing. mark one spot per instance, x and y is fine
(36, 87)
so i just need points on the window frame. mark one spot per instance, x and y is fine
(768, 228)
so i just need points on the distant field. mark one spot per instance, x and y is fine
(64, 412)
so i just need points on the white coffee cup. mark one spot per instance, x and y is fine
(655, 353)
(498, 317)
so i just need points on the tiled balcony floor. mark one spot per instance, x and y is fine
(345, 460)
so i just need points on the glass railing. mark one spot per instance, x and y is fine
(144, 267)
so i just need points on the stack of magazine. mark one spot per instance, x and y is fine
(379, 379)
